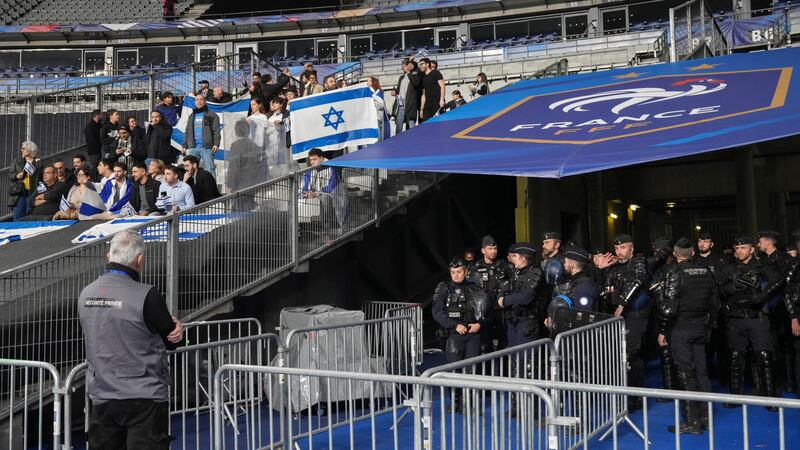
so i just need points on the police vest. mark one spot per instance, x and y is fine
(457, 304)
(126, 359)
(697, 288)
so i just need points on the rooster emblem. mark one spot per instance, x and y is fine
(641, 96)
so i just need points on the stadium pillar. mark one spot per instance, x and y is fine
(98, 97)
(521, 222)
(172, 263)
(151, 93)
(29, 118)
(746, 191)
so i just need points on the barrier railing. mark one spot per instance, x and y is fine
(694, 33)
(26, 423)
(371, 410)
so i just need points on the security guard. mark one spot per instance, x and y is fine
(491, 273)
(625, 283)
(459, 306)
(745, 290)
(689, 303)
(521, 312)
(658, 265)
(127, 330)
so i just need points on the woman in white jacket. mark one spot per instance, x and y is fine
(380, 105)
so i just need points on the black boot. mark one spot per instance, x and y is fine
(767, 365)
(736, 373)
(788, 369)
(667, 371)
(692, 423)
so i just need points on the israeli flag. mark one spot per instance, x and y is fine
(334, 120)
(94, 203)
(107, 195)
(29, 168)
(64, 205)
(17, 231)
(41, 188)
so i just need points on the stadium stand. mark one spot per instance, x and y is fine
(67, 12)
(12, 10)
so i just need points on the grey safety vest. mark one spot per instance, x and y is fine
(126, 359)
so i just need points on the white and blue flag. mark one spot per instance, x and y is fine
(29, 168)
(334, 120)
(64, 205)
(41, 188)
(17, 231)
(94, 203)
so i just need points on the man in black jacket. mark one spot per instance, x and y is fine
(270, 89)
(407, 96)
(145, 191)
(204, 187)
(46, 196)
(110, 133)
(92, 135)
(157, 140)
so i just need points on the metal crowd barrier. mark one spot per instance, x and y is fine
(25, 422)
(369, 415)
(592, 354)
(695, 32)
(379, 309)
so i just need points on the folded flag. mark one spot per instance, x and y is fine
(94, 203)
(334, 120)
(64, 205)
(16, 231)
(29, 168)
(41, 188)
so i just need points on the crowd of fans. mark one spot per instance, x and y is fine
(165, 179)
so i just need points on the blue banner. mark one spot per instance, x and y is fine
(756, 31)
(577, 124)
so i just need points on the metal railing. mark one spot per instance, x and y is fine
(694, 33)
(263, 236)
(25, 385)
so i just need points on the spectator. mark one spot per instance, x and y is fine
(157, 140)
(204, 187)
(105, 170)
(62, 173)
(46, 196)
(204, 89)
(322, 183)
(308, 68)
(407, 93)
(174, 195)
(76, 195)
(110, 133)
(329, 83)
(291, 93)
(434, 64)
(276, 150)
(202, 135)
(245, 166)
(128, 151)
(270, 90)
(481, 86)
(380, 105)
(79, 162)
(312, 87)
(220, 96)
(254, 78)
(342, 83)
(136, 132)
(457, 101)
(432, 90)
(25, 173)
(128, 379)
(169, 111)
(119, 187)
(145, 191)
(92, 136)
(156, 170)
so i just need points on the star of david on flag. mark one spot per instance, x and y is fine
(323, 124)
(338, 121)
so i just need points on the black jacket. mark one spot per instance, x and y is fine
(204, 186)
(92, 135)
(52, 197)
(271, 90)
(413, 94)
(151, 190)
(158, 143)
(18, 165)
(108, 137)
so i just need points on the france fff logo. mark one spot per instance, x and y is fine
(683, 105)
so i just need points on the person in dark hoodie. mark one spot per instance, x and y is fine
(157, 140)
(270, 89)
(110, 133)
(202, 134)
(92, 135)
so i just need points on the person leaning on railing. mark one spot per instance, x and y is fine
(25, 173)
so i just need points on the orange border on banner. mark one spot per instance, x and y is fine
(778, 100)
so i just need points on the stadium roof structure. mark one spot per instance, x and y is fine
(569, 125)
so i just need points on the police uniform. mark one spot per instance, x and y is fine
(792, 302)
(453, 305)
(689, 302)
(626, 284)
(777, 265)
(717, 344)
(744, 292)
(492, 277)
(521, 311)
(581, 287)
(125, 324)
(658, 265)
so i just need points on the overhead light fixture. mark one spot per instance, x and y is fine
(698, 228)
(634, 206)
(613, 216)
(670, 204)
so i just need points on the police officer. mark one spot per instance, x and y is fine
(708, 255)
(658, 265)
(490, 273)
(745, 291)
(552, 265)
(625, 284)
(459, 306)
(792, 301)
(777, 263)
(580, 291)
(715, 260)
(551, 246)
(127, 330)
(521, 312)
(689, 303)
